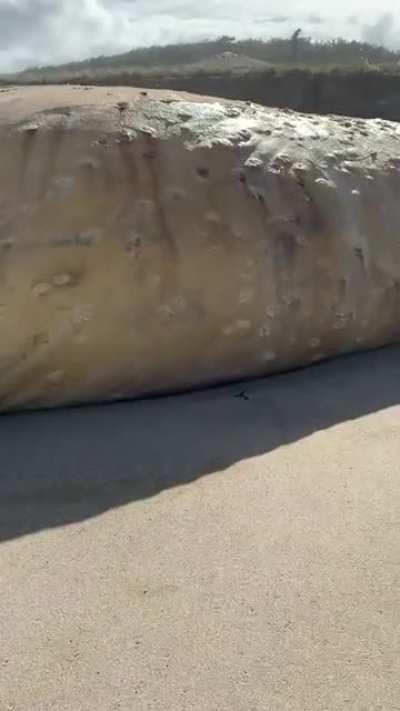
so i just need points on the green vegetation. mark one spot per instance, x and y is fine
(242, 56)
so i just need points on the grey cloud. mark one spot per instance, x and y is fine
(353, 20)
(382, 31)
(36, 32)
(314, 19)
(18, 22)
(278, 19)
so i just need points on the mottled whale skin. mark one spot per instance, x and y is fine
(153, 243)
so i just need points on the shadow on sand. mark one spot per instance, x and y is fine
(58, 467)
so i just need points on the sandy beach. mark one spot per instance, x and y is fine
(235, 549)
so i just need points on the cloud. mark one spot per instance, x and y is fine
(278, 19)
(353, 19)
(16, 19)
(315, 19)
(37, 32)
(382, 32)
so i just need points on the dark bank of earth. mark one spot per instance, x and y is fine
(366, 94)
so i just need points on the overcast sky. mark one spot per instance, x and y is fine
(36, 32)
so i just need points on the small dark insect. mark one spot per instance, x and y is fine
(243, 395)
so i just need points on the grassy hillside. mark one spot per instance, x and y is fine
(223, 55)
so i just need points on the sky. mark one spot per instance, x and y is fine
(38, 32)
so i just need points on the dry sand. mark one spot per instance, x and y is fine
(207, 552)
